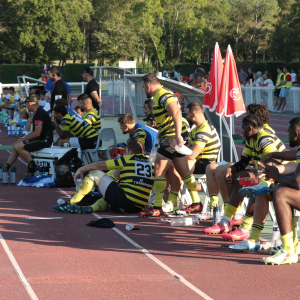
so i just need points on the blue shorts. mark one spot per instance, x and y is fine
(284, 92)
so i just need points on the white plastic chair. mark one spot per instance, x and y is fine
(91, 155)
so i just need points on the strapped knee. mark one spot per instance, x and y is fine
(96, 176)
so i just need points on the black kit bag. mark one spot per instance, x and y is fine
(66, 168)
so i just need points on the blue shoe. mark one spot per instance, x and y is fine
(253, 191)
(245, 245)
(76, 209)
(61, 208)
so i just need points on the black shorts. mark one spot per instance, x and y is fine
(277, 92)
(87, 143)
(117, 200)
(166, 147)
(36, 144)
(200, 166)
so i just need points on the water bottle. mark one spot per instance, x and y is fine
(276, 241)
(4, 175)
(78, 182)
(13, 175)
(184, 222)
(129, 226)
(1, 171)
(216, 215)
(61, 201)
(37, 170)
(153, 152)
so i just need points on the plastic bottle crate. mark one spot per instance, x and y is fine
(119, 150)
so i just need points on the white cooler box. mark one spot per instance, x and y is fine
(46, 158)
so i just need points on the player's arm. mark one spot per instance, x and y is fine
(69, 98)
(140, 135)
(89, 118)
(286, 155)
(95, 96)
(63, 131)
(199, 144)
(37, 130)
(197, 150)
(174, 110)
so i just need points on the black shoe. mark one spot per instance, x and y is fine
(61, 208)
(76, 209)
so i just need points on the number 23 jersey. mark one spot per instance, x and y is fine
(136, 177)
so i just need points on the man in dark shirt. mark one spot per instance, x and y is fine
(92, 88)
(249, 76)
(60, 90)
(40, 137)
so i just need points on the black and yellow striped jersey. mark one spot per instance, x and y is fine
(136, 177)
(164, 121)
(206, 136)
(298, 155)
(268, 129)
(93, 118)
(265, 143)
(77, 127)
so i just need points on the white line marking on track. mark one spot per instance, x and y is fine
(18, 270)
(54, 218)
(161, 264)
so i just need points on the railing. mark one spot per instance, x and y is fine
(265, 95)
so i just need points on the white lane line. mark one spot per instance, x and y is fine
(161, 264)
(54, 218)
(18, 270)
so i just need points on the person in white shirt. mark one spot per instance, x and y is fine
(267, 80)
(294, 76)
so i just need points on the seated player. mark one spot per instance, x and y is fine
(150, 121)
(148, 108)
(129, 195)
(41, 136)
(205, 143)
(215, 177)
(79, 110)
(64, 103)
(14, 99)
(5, 101)
(259, 143)
(74, 130)
(90, 113)
(138, 131)
(286, 199)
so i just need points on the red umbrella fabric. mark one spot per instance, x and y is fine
(212, 92)
(231, 102)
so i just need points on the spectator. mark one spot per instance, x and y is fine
(43, 100)
(150, 121)
(259, 77)
(249, 76)
(37, 94)
(174, 74)
(92, 88)
(41, 136)
(185, 79)
(14, 97)
(79, 110)
(74, 130)
(148, 106)
(5, 98)
(90, 113)
(277, 87)
(242, 75)
(60, 90)
(49, 85)
(294, 76)
(165, 74)
(267, 80)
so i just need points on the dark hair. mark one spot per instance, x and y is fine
(295, 123)
(286, 67)
(268, 75)
(253, 120)
(12, 88)
(37, 92)
(78, 107)
(60, 109)
(195, 107)
(198, 77)
(280, 68)
(150, 78)
(55, 70)
(149, 102)
(200, 71)
(5, 89)
(251, 68)
(136, 146)
(126, 119)
(83, 97)
(260, 110)
(62, 102)
(43, 92)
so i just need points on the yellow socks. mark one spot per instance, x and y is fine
(99, 205)
(85, 187)
(288, 243)
(173, 197)
(255, 232)
(230, 211)
(214, 201)
(247, 223)
(190, 184)
(159, 186)
(295, 233)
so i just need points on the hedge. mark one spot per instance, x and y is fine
(73, 72)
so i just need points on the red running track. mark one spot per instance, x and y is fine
(65, 259)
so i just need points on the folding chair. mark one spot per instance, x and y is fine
(92, 155)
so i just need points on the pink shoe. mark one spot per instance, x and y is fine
(235, 222)
(235, 235)
(218, 228)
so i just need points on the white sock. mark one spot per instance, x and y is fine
(243, 230)
(225, 221)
